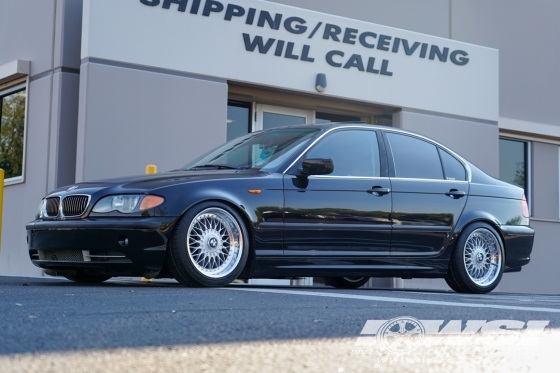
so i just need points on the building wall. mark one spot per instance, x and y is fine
(459, 134)
(424, 16)
(525, 32)
(130, 101)
(43, 32)
(131, 117)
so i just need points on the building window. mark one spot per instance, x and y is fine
(238, 119)
(12, 130)
(332, 118)
(514, 161)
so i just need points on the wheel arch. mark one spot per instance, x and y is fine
(473, 218)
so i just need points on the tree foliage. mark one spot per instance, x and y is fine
(519, 178)
(12, 124)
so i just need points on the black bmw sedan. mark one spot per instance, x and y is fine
(345, 202)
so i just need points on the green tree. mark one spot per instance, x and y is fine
(519, 178)
(12, 123)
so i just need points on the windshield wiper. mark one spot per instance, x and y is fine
(216, 166)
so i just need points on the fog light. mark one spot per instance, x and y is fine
(123, 241)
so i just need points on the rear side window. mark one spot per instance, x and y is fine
(453, 169)
(414, 158)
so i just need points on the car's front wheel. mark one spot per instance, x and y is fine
(477, 263)
(346, 282)
(209, 246)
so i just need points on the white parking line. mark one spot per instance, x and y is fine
(394, 300)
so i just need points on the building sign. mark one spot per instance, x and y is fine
(273, 45)
(298, 26)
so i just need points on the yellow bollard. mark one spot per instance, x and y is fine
(1, 202)
(150, 169)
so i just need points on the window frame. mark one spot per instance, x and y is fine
(383, 162)
(6, 90)
(245, 105)
(392, 162)
(440, 150)
(261, 109)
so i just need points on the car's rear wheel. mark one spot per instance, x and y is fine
(346, 282)
(477, 263)
(87, 278)
(209, 246)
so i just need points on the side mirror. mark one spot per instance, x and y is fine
(317, 167)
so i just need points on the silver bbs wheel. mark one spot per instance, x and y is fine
(214, 242)
(483, 257)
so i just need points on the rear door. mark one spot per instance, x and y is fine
(428, 198)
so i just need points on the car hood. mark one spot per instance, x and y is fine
(143, 183)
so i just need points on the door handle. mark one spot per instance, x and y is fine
(456, 194)
(379, 191)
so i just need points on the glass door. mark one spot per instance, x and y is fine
(269, 116)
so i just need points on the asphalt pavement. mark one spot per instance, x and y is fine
(50, 324)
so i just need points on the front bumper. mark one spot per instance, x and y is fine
(109, 246)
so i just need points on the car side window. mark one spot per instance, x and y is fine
(354, 153)
(453, 169)
(414, 158)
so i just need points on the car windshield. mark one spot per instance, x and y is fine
(260, 150)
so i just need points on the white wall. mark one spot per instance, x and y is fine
(212, 46)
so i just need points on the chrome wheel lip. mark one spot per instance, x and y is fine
(353, 279)
(483, 257)
(214, 243)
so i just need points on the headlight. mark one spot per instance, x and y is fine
(127, 203)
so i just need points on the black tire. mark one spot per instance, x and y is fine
(470, 254)
(86, 278)
(185, 252)
(346, 282)
(453, 282)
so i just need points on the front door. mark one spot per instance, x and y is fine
(345, 214)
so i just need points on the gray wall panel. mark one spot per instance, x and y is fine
(14, 259)
(68, 127)
(133, 118)
(63, 132)
(477, 142)
(526, 33)
(541, 275)
(425, 16)
(26, 32)
(72, 33)
(21, 200)
(545, 185)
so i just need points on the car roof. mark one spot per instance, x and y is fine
(335, 125)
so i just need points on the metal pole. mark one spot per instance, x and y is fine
(150, 169)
